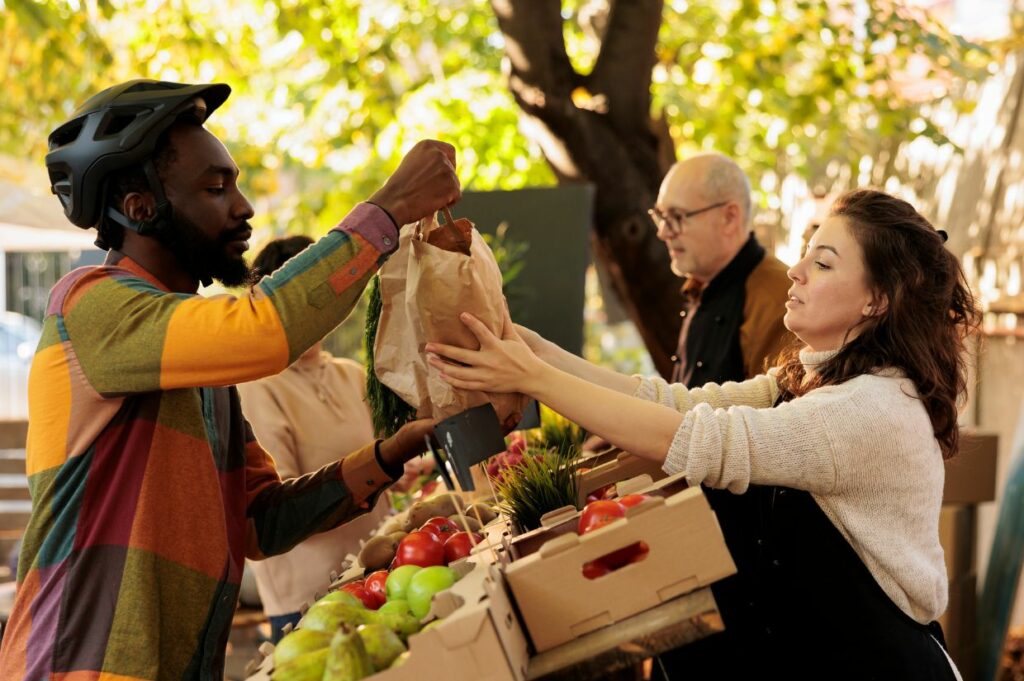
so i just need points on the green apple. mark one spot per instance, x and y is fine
(399, 605)
(398, 581)
(424, 584)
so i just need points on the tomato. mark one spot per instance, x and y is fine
(597, 511)
(631, 500)
(459, 545)
(374, 586)
(633, 553)
(359, 591)
(442, 528)
(595, 569)
(606, 492)
(419, 548)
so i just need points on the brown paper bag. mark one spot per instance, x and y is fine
(424, 287)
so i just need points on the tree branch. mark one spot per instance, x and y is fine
(623, 68)
(622, 151)
(535, 45)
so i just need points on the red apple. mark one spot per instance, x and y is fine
(459, 545)
(374, 586)
(358, 590)
(442, 528)
(419, 548)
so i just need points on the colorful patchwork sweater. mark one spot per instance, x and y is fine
(148, 487)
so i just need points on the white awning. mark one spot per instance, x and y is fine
(21, 239)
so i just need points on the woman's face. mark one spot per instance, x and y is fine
(830, 292)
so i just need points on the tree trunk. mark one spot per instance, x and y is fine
(598, 128)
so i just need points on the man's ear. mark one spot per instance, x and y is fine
(139, 206)
(877, 307)
(733, 216)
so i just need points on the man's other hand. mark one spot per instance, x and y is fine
(406, 443)
(424, 183)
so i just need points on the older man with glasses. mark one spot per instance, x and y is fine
(735, 292)
(735, 295)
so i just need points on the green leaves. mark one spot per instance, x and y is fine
(788, 86)
(543, 482)
(388, 411)
(328, 96)
(559, 435)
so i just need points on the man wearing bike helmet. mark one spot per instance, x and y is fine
(149, 489)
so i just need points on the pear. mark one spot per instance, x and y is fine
(347, 659)
(432, 624)
(382, 644)
(308, 667)
(400, 660)
(399, 605)
(402, 623)
(329, 616)
(298, 643)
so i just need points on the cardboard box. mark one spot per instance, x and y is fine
(971, 474)
(595, 459)
(558, 603)
(479, 637)
(565, 520)
(959, 623)
(957, 534)
(623, 467)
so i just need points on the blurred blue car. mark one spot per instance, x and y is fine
(19, 336)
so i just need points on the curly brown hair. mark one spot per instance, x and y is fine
(923, 330)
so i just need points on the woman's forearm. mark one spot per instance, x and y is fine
(581, 368)
(643, 428)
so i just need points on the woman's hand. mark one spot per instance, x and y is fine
(534, 340)
(501, 365)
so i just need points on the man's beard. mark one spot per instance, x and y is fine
(205, 258)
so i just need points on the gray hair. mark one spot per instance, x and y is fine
(724, 180)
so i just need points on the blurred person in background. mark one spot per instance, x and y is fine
(305, 415)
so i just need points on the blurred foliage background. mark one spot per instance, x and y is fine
(329, 95)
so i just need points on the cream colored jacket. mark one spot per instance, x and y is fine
(312, 413)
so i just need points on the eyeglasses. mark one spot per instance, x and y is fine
(674, 221)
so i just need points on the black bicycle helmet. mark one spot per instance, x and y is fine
(116, 129)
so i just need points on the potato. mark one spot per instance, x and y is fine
(378, 553)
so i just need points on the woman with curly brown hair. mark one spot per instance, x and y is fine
(839, 449)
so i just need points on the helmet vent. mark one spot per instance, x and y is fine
(65, 134)
(116, 123)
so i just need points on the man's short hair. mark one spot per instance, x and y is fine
(726, 181)
(123, 182)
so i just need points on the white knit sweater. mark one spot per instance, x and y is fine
(865, 450)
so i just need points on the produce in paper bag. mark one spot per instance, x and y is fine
(424, 287)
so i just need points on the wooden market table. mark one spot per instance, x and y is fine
(677, 622)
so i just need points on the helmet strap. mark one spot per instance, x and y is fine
(161, 219)
(162, 214)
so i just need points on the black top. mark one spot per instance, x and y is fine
(710, 351)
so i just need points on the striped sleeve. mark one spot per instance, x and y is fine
(283, 513)
(130, 336)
